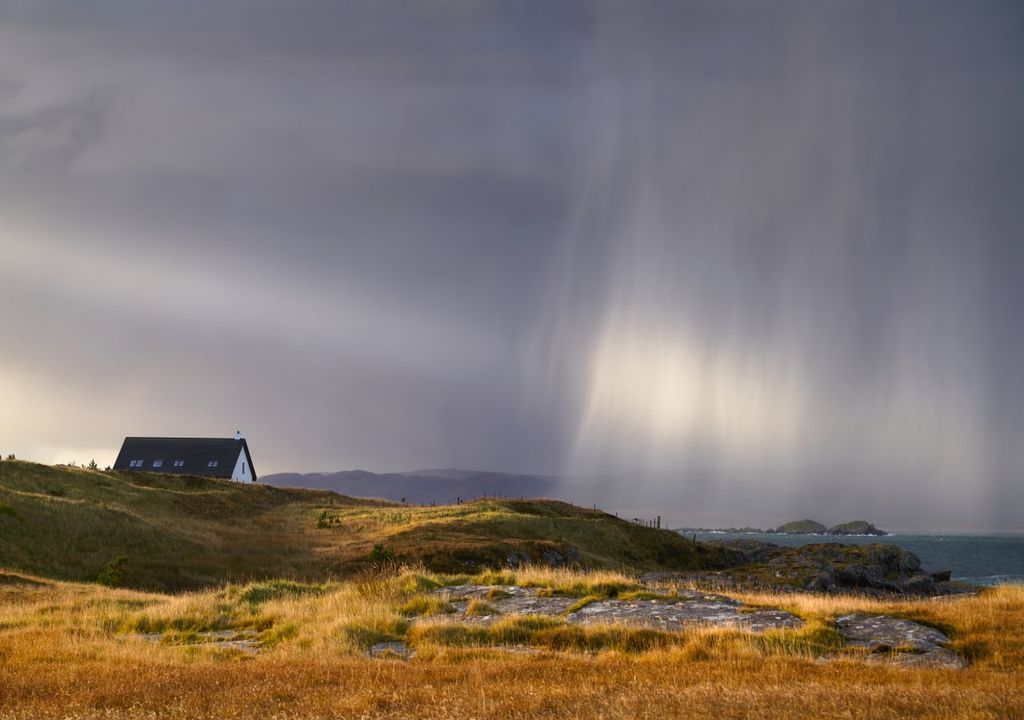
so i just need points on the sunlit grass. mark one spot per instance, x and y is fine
(76, 651)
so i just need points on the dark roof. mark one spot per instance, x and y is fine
(195, 452)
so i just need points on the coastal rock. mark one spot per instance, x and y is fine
(828, 567)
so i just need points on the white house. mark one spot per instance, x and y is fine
(226, 458)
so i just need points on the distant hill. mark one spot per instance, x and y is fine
(856, 527)
(431, 486)
(802, 527)
(179, 532)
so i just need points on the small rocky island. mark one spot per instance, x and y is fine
(812, 527)
(802, 527)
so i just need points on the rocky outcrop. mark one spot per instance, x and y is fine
(832, 567)
(874, 638)
(686, 608)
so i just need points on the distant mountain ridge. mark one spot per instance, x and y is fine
(442, 486)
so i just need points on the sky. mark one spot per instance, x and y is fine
(748, 259)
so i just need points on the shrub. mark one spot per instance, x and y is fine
(9, 511)
(113, 574)
(92, 465)
(326, 520)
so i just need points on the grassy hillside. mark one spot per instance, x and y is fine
(186, 532)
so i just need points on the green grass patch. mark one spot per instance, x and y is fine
(647, 595)
(582, 603)
(541, 631)
(577, 585)
(278, 634)
(812, 640)
(261, 592)
(425, 606)
(366, 633)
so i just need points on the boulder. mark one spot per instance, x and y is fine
(921, 584)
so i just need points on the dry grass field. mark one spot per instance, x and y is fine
(71, 650)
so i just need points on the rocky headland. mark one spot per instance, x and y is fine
(876, 569)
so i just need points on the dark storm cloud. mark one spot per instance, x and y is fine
(771, 248)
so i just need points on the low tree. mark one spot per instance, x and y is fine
(113, 574)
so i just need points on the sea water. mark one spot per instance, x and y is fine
(978, 559)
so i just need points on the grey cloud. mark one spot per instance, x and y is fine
(397, 235)
(50, 137)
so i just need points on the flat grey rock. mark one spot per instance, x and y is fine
(391, 649)
(690, 608)
(902, 642)
(246, 641)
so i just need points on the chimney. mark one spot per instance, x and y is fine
(238, 434)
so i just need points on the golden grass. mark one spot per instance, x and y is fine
(74, 651)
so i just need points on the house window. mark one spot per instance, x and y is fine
(243, 468)
(158, 463)
(179, 463)
(134, 463)
(212, 463)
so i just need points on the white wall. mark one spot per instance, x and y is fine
(242, 473)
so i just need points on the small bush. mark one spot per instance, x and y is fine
(425, 605)
(9, 512)
(113, 574)
(326, 520)
(381, 554)
(56, 492)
